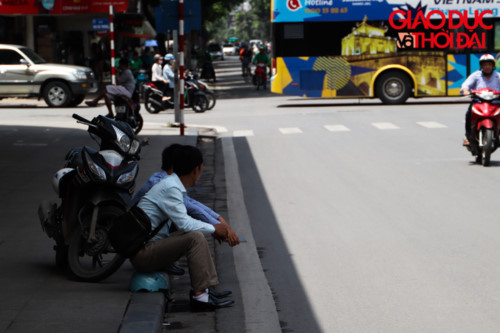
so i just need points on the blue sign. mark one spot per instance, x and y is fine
(167, 16)
(100, 24)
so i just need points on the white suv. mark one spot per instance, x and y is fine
(23, 73)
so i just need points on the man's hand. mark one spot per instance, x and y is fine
(232, 238)
(220, 232)
(466, 91)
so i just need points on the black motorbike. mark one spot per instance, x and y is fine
(193, 78)
(127, 110)
(194, 98)
(94, 187)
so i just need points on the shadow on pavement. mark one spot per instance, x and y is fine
(273, 252)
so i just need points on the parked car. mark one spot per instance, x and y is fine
(215, 51)
(23, 73)
(229, 49)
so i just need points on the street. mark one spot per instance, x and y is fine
(366, 217)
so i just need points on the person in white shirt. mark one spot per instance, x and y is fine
(157, 75)
(164, 202)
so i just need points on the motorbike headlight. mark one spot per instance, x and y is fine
(127, 177)
(94, 168)
(81, 75)
(122, 139)
(135, 147)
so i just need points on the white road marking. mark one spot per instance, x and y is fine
(337, 128)
(431, 124)
(243, 133)
(290, 130)
(385, 126)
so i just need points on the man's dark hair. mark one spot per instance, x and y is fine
(168, 156)
(186, 159)
(123, 61)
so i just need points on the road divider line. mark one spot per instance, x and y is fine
(385, 126)
(240, 133)
(290, 130)
(431, 124)
(337, 128)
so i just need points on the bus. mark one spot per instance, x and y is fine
(386, 49)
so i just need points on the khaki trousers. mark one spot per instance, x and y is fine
(158, 254)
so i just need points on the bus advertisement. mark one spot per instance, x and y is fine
(387, 49)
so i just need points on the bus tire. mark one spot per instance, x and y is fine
(393, 87)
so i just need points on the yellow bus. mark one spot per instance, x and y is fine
(387, 49)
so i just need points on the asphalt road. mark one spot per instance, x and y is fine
(368, 218)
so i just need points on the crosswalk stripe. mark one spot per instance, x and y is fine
(243, 133)
(337, 128)
(431, 124)
(290, 130)
(385, 126)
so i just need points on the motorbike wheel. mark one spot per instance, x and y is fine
(200, 103)
(487, 146)
(211, 100)
(138, 122)
(150, 107)
(93, 262)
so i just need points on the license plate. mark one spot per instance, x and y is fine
(121, 109)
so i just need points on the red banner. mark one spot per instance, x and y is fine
(61, 6)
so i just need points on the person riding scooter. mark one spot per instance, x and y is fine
(487, 77)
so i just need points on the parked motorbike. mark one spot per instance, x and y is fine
(94, 187)
(203, 87)
(127, 110)
(260, 76)
(208, 71)
(485, 124)
(194, 97)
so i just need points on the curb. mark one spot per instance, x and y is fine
(144, 313)
(258, 303)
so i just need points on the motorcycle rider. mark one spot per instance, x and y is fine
(245, 58)
(168, 74)
(125, 86)
(487, 77)
(262, 57)
(157, 75)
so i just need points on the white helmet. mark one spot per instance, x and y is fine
(487, 57)
(56, 180)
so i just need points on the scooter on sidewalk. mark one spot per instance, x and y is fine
(485, 124)
(94, 187)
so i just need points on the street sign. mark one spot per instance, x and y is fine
(100, 24)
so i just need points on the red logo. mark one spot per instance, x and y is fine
(293, 5)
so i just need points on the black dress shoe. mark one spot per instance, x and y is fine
(212, 304)
(219, 294)
(174, 269)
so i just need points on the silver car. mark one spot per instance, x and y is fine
(23, 73)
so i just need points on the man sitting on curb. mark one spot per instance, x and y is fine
(125, 87)
(194, 208)
(164, 201)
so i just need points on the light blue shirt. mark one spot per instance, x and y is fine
(194, 208)
(168, 73)
(477, 81)
(164, 201)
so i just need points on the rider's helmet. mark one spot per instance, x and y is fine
(262, 47)
(169, 56)
(157, 57)
(487, 57)
(148, 282)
